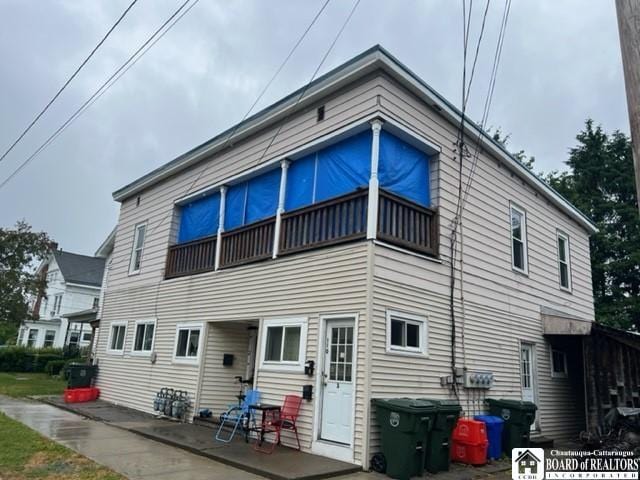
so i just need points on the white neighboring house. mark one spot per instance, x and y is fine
(73, 285)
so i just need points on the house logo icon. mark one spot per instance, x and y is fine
(527, 464)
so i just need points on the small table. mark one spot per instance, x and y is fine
(262, 429)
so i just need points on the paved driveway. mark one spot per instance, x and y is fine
(131, 455)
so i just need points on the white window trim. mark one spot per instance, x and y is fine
(565, 372)
(133, 247)
(188, 326)
(423, 324)
(111, 351)
(286, 366)
(525, 246)
(561, 235)
(144, 353)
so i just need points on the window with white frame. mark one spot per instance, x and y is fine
(518, 239)
(86, 337)
(96, 303)
(564, 261)
(283, 343)
(188, 339)
(558, 363)
(57, 304)
(406, 333)
(49, 338)
(33, 337)
(138, 244)
(116, 337)
(143, 340)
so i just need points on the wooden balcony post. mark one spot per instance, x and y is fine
(284, 166)
(223, 201)
(372, 207)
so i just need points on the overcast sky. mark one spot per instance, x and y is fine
(561, 64)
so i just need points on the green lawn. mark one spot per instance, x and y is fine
(25, 454)
(25, 384)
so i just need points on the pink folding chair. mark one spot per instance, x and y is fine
(283, 419)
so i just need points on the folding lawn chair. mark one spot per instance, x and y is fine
(283, 419)
(237, 415)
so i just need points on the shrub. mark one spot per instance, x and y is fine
(24, 359)
(54, 367)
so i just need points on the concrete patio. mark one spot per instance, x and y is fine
(283, 464)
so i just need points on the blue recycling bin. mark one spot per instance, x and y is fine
(495, 426)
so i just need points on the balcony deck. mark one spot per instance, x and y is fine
(338, 220)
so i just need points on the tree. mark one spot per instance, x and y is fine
(20, 248)
(600, 182)
(503, 140)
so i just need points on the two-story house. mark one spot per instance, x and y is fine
(73, 284)
(317, 233)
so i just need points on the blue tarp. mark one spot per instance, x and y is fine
(338, 169)
(300, 182)
(343, 167)
(252, 200)
(199, 218)
(403, 169)
(262, 196)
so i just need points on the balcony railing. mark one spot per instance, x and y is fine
(338, 220)
(407, 224)
(247, 244)
(191, 257)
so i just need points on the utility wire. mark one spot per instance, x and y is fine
(197, 179)
(159, 33)
(306, 87)
(69, 80)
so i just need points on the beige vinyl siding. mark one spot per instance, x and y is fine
(502, 307)
(326, 281)
(219, 388)
(157, 202)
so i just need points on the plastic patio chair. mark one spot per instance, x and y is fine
(236, 415)
(284, 419)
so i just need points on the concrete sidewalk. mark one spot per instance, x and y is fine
(129, 454)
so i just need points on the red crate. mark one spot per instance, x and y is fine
(470, 431)
(77, 395)
(471, 454)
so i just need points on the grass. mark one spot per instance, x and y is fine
(26, 384)
(26, 455)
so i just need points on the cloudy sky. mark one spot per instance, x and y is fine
(560, 64)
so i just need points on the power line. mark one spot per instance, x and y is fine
(159, 33)
(69, 80)
(306, 87)
(204, 170)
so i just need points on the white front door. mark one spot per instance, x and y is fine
(527, 372)
(337, 382)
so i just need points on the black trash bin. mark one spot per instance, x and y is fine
(404, 425)
(518, 416)
(438, 455)
(80, 375)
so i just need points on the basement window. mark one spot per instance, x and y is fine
(558, 364)
(406, 333)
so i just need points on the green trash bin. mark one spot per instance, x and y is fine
(404, 425)
(80, 375)
(438, 457)
(518, 417)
